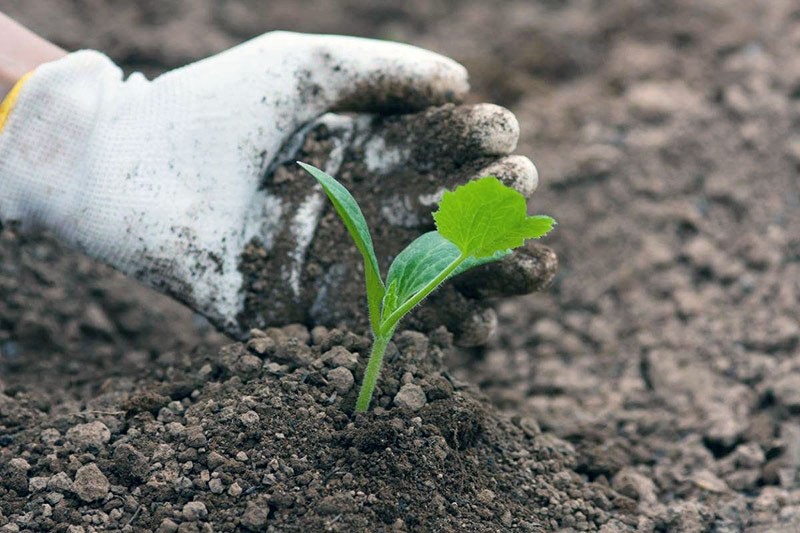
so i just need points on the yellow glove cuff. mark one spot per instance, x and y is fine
(8, 103)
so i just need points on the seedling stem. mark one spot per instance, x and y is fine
(372, 372)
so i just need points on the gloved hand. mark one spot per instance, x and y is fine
(177, 181)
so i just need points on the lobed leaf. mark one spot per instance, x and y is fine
(350, 213)
(484, 217)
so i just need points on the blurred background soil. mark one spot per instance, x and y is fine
(666, 136)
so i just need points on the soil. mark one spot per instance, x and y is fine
(653, 387)
(260, 437)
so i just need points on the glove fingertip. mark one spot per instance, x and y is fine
(528, 269)
(400, 86)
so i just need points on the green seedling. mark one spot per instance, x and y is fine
(477, 223)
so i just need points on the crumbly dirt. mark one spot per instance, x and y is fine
(260, 437)
(666, 354)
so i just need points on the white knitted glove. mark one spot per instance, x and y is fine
(170, 180)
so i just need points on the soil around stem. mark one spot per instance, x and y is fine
(262, 437)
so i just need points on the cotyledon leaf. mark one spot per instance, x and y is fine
(350, 213)
(420, 262)
(485, 216)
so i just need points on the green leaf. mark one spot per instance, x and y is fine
(485, 216)
(420, 263)
(350, 213)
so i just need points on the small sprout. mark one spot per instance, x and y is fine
(477, 223)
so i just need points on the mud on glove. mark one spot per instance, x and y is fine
(168, 180)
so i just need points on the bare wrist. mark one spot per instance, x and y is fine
(21, 51)
(10, 73)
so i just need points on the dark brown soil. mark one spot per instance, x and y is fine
(662, 368)
(261, 437)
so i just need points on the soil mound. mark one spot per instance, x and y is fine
(261, 437)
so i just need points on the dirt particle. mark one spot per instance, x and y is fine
(37, 484)
(167, 526)
(293, 353)
(486, 496)
(341, 379)
(247, 366)
(437, 388)
(130, 463)
(786, 391)
(19, 464)
(215, 460)
(410, 396)
(90, 483)
(262, 345)
(216, 486)
(657, 101)
(145, 402)
(194, 511)
(340, 357)
(95, 321)
(92, 435)
(235, 490)
(634, 485)
(60, 482)
(249, 418)
(708, 481)
(195, 437)
(16, 474)
(256, 514)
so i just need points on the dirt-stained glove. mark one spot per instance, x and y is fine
(397, 168)
(177, 181)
